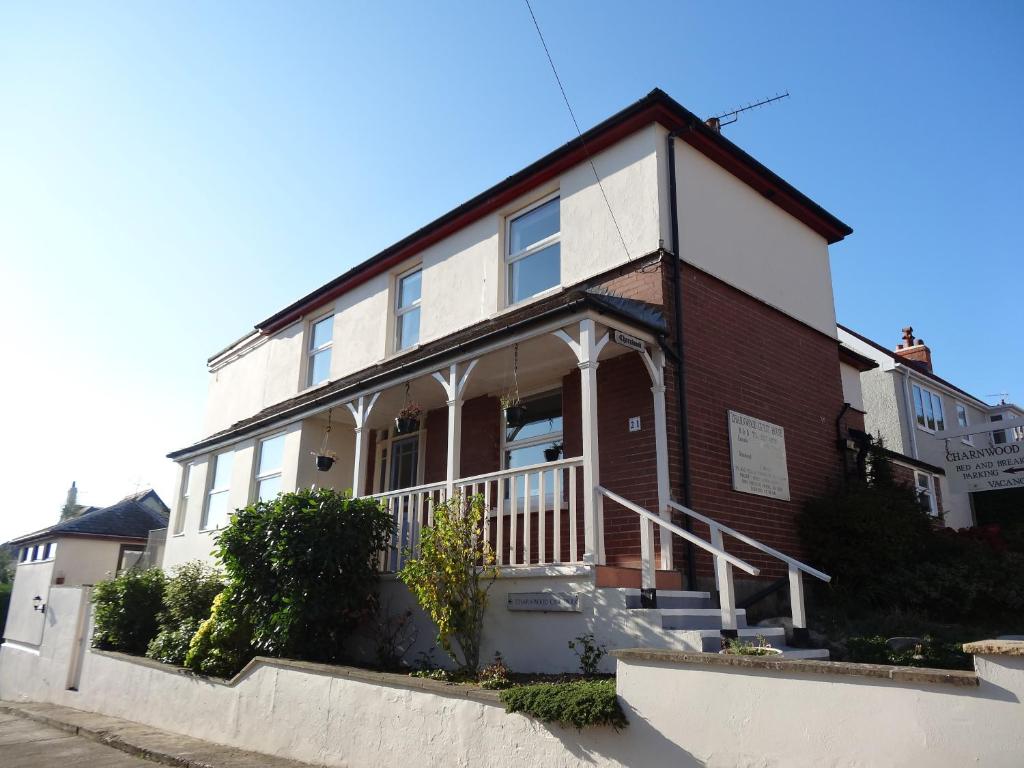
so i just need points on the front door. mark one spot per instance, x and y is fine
(405, 455)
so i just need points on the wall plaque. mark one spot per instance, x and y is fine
(758, 450)
(543, 601)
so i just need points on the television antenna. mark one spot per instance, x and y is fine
(718, 122)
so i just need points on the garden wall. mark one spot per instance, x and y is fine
(684, 710)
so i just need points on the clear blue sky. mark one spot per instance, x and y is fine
(172, 172)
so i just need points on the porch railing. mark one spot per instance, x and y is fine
(533, 516)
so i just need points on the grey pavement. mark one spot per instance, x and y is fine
(35, 734)
(28, 744)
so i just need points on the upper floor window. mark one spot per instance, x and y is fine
(963, 421)
(928, 409)
(179, 519)
(268, 472)
(49, 549)
(407, 309)
(215, 511)
(24, 555)
(926, 492)
(533, 255)
(999, 436)
(321, 337)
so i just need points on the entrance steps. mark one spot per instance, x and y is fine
(690, 620)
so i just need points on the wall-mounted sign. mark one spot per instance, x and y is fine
(758, 450)
(543, 601)
(634, 423)
(628, 341)
(992, 468)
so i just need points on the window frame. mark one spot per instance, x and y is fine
(927, 490)
(528, 493)
(212, 490)
(257, 476)
(510, 258)
(312, 352)
(183, 496)
(930, 403)
(400, 311)
(382, 458)
(995, 418)
(961, 408)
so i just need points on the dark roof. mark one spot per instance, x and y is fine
(919, 369)
(656, 106)
(902, 457)
(856, 359)
(133, 517)
(424, 359)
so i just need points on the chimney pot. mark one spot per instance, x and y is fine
(714, 124)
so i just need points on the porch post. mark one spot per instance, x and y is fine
(360, 410)
(593, 520)
(661, 456)
(454, 387)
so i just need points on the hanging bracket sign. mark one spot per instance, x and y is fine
(628, 341)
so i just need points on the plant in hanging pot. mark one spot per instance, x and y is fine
(324, 459)
(408, 419)
(515, 411)
(553, 453)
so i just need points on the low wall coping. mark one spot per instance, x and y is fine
(896, 674)
(391, 679)
(996, 647)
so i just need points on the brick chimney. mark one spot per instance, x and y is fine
(914, 351)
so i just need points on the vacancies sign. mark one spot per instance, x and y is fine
(994, 468)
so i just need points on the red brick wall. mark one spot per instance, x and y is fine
(481, 440)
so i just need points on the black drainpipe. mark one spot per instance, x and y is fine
(680, 360)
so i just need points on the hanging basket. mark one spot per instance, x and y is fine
(552, 454)
(324, 463)
(515, 415)
(405, 425)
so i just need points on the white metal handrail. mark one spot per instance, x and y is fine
(680, 532)
(723, 571)
(752, 542)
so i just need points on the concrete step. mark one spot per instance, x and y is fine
(711, 639)
(671, 598)
(697, 618)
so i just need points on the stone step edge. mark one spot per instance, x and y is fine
(633, 591)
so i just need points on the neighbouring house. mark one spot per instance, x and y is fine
(78, 551)
(911, 408)
(666, 337)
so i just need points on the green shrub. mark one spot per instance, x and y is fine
(929, 653)
(589, 652)
(580, 704)
(222, 645)
(451, 576)
(188, 597)
(5, 602)
(302, 569)
(127, 608)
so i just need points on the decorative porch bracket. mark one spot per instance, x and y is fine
(587, 350)
(361, 410)
(655, 365)
(454, 387)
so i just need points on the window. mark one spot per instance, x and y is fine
(130, 556)
(926, 492)
(533, 252)
(35, 553)
(24, 555)
(47, 550)
(963, 421)
(928, 409)
(999, 436)
(268, 472)
(542, 428)
(407, 309)
(179, 520)
(321, 337)
(215, 513)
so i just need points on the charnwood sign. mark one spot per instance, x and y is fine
(994, 468)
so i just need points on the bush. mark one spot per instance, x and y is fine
(5, 602)
(496, 675)
(187, 599)
(451, 576)
(930, 653)
(302, 570)
(127, 608)
(589, 652)
(577, 704)
(223, 643)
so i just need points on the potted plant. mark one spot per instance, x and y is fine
(738, 647)
(408, 419)
(553, 453)
(515, 412)
(324, 459)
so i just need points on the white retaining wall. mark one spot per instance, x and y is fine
(682, 712)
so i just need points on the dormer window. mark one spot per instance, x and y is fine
(321, 338)
(533, 251)
(408, 290)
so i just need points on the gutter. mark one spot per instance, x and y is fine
(680, 361)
